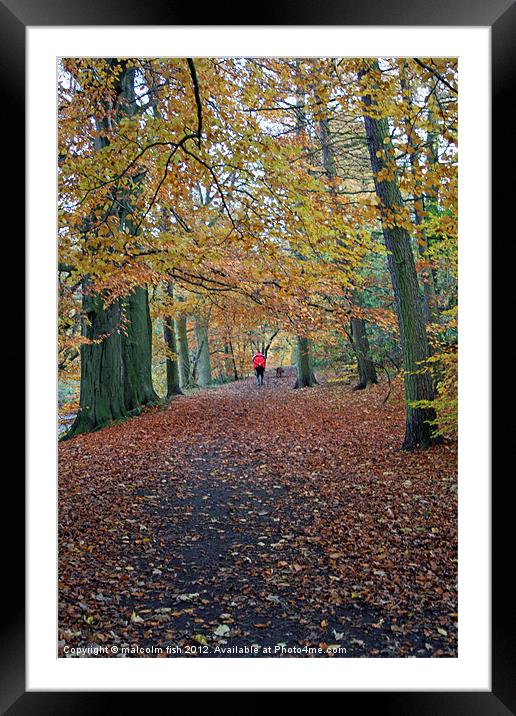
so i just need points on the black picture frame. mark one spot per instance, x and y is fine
(500, 16)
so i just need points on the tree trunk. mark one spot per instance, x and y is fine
(203, 353)
(102, 397)
(173, 387)
(427, 277)
(366, 369)
(182, 352)
(173, 382)
(235, 369)
(417, 378)
(229, 362)
(137, 338)
(137, 351)
(305, 374)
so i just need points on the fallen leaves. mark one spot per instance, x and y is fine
(168, 518)
(222, 630)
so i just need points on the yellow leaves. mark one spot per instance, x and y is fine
(253, 208)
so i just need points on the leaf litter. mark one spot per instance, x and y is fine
(260, 517)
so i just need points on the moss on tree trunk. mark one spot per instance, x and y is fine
(102, 398)
(427, 278)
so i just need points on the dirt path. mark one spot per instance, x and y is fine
(268, 519)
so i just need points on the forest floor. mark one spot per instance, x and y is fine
(267, 518)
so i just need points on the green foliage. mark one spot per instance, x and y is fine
(444, 366)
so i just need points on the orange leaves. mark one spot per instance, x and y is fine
(165, 524)
(250, 223)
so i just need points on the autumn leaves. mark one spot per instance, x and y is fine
(258, 192)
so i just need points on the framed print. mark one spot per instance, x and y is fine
(217, 538)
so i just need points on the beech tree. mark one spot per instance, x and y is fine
(116, 362)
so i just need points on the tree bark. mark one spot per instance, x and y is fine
(305, 374)
(137, 352)
(173, 382)
(137, 338)
(203, 353)
(366, 368)
(417, 378)
(102, 398)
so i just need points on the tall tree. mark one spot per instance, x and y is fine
(305, 377)
(417, 378)
(102, 392)
(137, 336)
(118, 387)
(359, 340)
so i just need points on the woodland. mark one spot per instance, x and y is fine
(209, 208)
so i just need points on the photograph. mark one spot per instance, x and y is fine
(258, 378)
(257, 356)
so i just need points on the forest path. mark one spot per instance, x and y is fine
(242, 516)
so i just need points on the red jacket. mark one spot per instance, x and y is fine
(258, 359)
